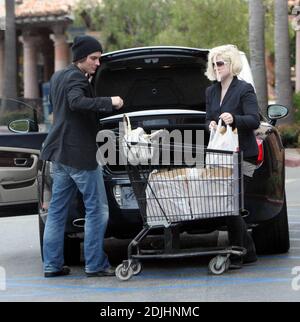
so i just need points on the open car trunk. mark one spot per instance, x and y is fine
(156, 78)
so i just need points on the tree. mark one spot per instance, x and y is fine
(283, 85)
(125, 23)
(195, 23)
(257, 51)
(10, 56)
(207, 23)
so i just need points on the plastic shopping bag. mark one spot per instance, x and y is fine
(224, 141)
(167, 197)
(211, 192)
(137, 145)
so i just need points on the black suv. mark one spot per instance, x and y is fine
(164, 87)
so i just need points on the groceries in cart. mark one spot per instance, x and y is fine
(175, 193)
(185, 194)
(137, 144)
(169, 194)
(203, 191)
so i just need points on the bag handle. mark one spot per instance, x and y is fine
(228, 128)
(219, 125)
(127, 124)
(216, 132)
(222, 129)
(154, 134)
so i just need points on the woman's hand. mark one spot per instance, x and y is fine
(227, 118)
(212, 125)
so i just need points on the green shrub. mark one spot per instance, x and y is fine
(296, 104)
(290, 135)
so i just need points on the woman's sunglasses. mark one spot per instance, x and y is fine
(219, 63)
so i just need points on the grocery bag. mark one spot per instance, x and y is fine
(223, 140)
(167, 197)
(211, 192)
(138, 146)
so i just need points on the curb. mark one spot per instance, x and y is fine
(292, 158)
(292, 162)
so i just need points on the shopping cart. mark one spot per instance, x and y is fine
(175, 184)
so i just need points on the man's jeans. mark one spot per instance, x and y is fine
(90, 183)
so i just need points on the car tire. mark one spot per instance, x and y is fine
(72, 248)
(272, 237)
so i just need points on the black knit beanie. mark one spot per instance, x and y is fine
(83, 46)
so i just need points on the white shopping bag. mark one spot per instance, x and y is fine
(167, 197)
(211, 192)
(138, 146)
(224, 141)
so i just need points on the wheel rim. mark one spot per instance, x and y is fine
(216, 267)
(122, 273)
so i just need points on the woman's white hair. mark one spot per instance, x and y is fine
(228, 53)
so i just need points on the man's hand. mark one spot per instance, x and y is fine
(117, 102)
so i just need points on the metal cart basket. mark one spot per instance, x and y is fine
(174, 184)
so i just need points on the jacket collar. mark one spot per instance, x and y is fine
(74, 67)
(229, 91)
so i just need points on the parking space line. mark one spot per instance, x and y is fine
(216, 281)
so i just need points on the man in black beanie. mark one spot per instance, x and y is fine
(71, 148)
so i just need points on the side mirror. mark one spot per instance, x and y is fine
(23, 126)
(276, 112)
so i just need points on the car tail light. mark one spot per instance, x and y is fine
(260, 157)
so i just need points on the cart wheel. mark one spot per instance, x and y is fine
(122, 273)
(218, 265)
(136, 267)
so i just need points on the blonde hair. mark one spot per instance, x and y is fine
(230, 54)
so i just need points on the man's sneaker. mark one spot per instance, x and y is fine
(110, 271)
(64, 271)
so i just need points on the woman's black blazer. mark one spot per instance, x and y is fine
(240, 100)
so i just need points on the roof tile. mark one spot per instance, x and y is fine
(38, 8)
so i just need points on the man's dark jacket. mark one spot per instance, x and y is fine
(240, 101)
(72, 138)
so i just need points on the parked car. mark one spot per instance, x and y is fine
(164, 87)
(19, 153)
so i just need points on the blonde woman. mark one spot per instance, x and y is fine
(234, 101)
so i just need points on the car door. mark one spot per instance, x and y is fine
(19, 159)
